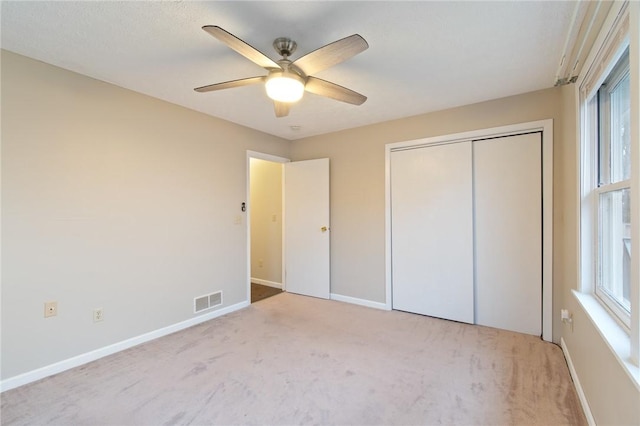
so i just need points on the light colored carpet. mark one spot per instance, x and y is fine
(297, 360)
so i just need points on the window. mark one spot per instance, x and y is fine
(609, 260)
(608, 164)
(612, 192)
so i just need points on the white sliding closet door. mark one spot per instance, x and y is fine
(508, 232)
(432, 226)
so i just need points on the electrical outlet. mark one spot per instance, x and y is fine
(566, 317)
(98, 315)
(50, 309)
(260, 263)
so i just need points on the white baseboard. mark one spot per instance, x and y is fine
(356, 301)
(576, 382)
(267, 283)
(58, 367)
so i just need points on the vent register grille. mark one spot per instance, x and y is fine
(207, 301)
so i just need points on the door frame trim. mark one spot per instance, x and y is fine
(267, 157)
(544, 126)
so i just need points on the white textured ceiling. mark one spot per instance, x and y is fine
(423, 56)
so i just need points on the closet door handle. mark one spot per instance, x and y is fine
(324, 229)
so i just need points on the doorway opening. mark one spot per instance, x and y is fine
(265, 226)
(294, 248)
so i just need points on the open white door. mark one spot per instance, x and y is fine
(306, 227)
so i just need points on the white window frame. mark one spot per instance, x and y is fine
(600, 188)
(619, 31)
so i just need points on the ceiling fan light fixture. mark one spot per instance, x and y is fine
(285, 87)
(287, 81)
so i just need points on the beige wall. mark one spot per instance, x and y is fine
(613, 398)
(358, 179)
(265, 209)
(116, 200)
(565, 199)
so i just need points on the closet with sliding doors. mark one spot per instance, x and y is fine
(467, 229)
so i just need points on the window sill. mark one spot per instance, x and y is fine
(612, 333)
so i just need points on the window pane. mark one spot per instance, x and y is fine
(620, 103)
(614, 103)
(614, 235)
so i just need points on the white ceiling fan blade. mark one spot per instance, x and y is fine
(281, 108)
(241, 47)
(230, 84)
(331, 90)
(331, 54)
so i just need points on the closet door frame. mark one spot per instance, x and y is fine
(543, 126)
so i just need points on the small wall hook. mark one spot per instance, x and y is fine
(243, 207)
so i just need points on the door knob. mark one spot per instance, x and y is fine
(324, 229)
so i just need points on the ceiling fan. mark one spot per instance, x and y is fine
(287, 81)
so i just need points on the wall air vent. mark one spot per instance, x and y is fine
(207, 301)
